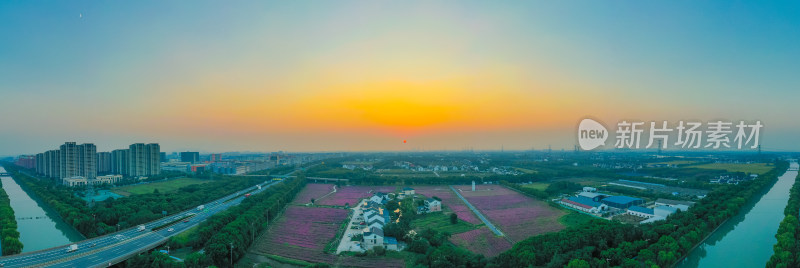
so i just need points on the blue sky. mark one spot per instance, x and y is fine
(363, 75)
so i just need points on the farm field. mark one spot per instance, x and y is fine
(525, 170)
(481, 241)
(757, 168)
(516, 215)
(441, 222)
(350, 195)
(586, 181)
(302, 233)
(449, 201)
(162, 186)
(675, 162)
(541, 186)
(312, 191)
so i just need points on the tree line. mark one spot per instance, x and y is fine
(787, 248)
(8, 226)
(244, 222)
(602, 243)
(107, 216)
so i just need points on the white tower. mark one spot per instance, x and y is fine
(473, 186)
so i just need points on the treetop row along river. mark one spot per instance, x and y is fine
(39, 226)
(747, 238)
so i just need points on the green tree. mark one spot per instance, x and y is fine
(578, 263)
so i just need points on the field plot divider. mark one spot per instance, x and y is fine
(480, 216)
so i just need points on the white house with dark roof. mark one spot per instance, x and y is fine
(408, 191)
(373, 238)
(433, 205)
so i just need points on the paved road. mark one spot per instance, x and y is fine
(480, 216)
(116, 247)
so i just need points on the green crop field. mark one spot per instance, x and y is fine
(525, 170)
(162, 186)
(574, 219)
(441, 222)
(757, 168)
(541, 186)
(675, 162)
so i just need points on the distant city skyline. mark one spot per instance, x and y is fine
(366, 76)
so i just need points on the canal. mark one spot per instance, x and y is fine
(746, 239)
(39, 226)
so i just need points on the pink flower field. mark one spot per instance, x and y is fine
(518, 216)
(481, 241)
(312, 190)
(352, 194)
(302, 233)
(450, 200)
(308, 227)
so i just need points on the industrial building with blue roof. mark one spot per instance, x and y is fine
(621, 202)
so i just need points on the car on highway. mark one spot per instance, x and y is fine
(186, 220)
(170, 230)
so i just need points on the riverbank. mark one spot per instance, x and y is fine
(9, 242)
(52, 213)
(40, 226)
(746, 239)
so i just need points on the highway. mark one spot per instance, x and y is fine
(117, 247)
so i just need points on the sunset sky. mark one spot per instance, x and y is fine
(221, 76)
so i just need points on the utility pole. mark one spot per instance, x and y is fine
(659, 147)
(231, 254)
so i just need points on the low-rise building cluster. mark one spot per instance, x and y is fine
(592, 202)
(374, 218)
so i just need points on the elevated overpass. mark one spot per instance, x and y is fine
(114, 248)
(314, 179)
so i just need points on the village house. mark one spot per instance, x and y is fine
(433, 205)
(373, 238)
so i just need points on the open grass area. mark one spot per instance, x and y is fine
(675, 162)
(629, 219)
(441, 222)
(162, 186)
(587, 181)
(574, 219)
(541, 186)
(183, 238)
(757, 168)
(525, 170)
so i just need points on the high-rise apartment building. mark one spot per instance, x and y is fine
(69, 160)
(52, 164)
(72, 160)
(191, 157)
(87, 160)
(104, 163)
(143, 159)
(119, 162)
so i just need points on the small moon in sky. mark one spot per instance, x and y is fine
(80, 15)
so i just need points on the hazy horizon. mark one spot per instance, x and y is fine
(365, 76)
